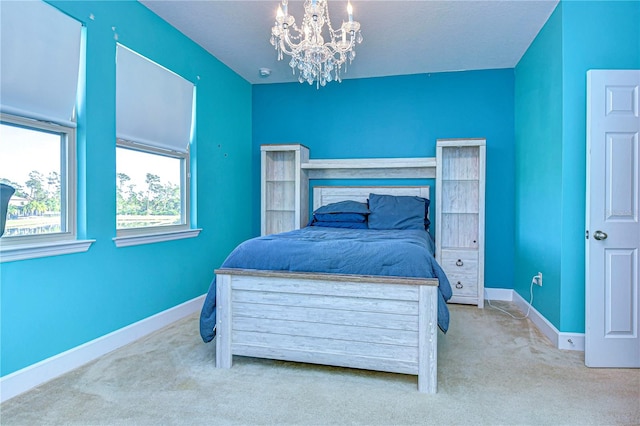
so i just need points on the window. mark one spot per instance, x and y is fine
(151, 188)
(40, 68)
(38, 161)
(154, 118)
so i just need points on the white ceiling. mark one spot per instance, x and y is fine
(400, 37)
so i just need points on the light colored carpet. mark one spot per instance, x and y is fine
(492, 370)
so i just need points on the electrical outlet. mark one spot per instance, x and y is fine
(538, 279)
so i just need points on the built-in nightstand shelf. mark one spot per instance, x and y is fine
(284, 188)
(460, 185)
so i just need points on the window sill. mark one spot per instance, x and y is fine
(135, 240)
(33, 251)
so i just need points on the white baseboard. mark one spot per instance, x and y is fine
(561, 340)
(34, 375)
(571, 341)
(504, 294)
(567, 341)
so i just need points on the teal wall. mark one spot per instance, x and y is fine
(596, 35)
(538, 168)
(53, 304)
(403, 116)
(589, 35)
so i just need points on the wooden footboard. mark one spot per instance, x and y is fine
(368, 322)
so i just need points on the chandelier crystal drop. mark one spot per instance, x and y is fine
(315, 59)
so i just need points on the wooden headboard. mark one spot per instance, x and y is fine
(323, 195)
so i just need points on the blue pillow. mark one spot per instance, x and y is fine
(347, 206)
(427, 222)
(340, 217)
(396, 212)
(350, 225)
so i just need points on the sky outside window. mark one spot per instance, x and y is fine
(30, 160)
(136, 165)
(24, 150)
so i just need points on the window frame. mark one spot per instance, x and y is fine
(149, 234)
(160, 130)
(21, 247)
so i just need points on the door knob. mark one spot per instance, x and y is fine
(599, 235)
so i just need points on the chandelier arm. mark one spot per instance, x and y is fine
(337, 46)
(294, 47)
(284, 50)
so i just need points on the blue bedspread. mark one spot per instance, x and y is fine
(403, 253)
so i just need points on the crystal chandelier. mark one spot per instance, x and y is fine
(316, 59)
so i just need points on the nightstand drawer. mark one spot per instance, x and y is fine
(460, 262)
(461, 267)
(463, 285)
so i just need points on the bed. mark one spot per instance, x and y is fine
(314, 295)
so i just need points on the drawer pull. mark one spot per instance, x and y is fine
(459, 285)
(459, 262)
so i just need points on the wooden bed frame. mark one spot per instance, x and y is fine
(368, 322)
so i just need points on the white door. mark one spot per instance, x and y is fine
(612, 219)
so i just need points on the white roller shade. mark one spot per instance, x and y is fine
(40, 61)
(153, 105)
